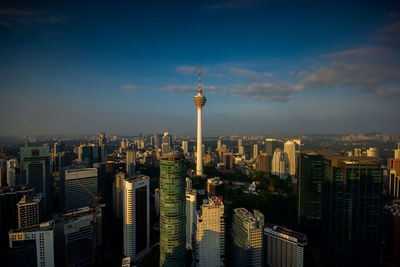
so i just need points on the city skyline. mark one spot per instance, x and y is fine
(268, 68)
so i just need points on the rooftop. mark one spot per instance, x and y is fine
(285, 233)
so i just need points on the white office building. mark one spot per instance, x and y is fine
(280, 164)
(136, 216)
(210, 234)
(185, 147)
(290, 150)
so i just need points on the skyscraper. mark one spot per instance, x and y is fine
(75, 188)
(166, 143)
(210, 234)
(313, 170)
(255, 151)
(199, 100)
(29, 211)
(172, 210)
(9, 197)
(35, 163)
(185, 147)
(136, 206)
(280, 164)
(270, 146)
(247, 234)
(130, 162)
(290, 150)
(190, 215)
(118, 191)
(263, 163)
(353, 193)
(215, 187)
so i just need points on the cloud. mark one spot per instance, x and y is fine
(394, 15)
(245, 73)
(130, 87)
(233, 4)
(25, 17)
(186, 70)
(279, 91)
(389, 33)
(388, 92)
(269, 75)
(181, 88)
(366, 69)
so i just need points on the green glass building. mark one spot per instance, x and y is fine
(172, 210)
(312, 170)
(352, 196)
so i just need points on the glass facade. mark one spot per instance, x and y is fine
(353, 215)
(172, 210)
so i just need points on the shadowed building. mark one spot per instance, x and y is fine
(353, 216)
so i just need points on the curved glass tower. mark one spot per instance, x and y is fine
(172, 210)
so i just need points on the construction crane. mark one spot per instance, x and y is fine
(95, 207)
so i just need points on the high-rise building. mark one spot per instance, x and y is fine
(241, 150)
(76, 234)
(85, 155)
(157, 140)
(172, 210)
(284, 247)
(290, 150)
(240, 142)
(210, 234)
(215, 187)
(313, 170)
(199, 101)
(185, 147)
(219, 144)
(136, 207)
(247, 234)
(190, 215)
(32, 246)
(28, 209)
(12, 165)
(228, 161)
(353, 216)
(280, 164)
(255, 151)
(35, 163)
(9, 197)
(118, 191)
(270, 146)
(263, 162)
(130, 162)
(166, 143)
(76, 186)
(58, 147)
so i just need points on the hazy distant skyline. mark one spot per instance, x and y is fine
(267, 67)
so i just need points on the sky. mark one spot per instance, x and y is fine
(268, 67)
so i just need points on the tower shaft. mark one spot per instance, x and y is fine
(199, 163)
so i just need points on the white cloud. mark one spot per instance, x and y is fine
(245, 73)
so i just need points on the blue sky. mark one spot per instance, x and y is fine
(269, 67)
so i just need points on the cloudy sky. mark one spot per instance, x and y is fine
(268, 67)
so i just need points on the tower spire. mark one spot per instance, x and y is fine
(199, 91)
